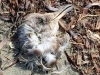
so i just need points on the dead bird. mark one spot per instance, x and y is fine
(37, 34)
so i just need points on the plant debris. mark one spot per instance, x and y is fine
(82, 25)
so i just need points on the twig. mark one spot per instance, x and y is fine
(7, 58)
(58, 72)
(76, 43)
(14, 62)
(7, 12)
(86, 15)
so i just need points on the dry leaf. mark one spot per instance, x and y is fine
(85, 62)
(87, 44)
(79, 59)
(67, 26)
(81, 16)
(92, 4)
(69, 59)
(27, 3)
(98, 25)
(62, 23)
(49, 6)
(89, 70)
(97, 68)
(74, 35)
(94, 56)
(93, 36)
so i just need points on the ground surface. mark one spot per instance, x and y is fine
(83, 27)
(7, 56)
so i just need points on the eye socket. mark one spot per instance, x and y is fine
(39, 19)
(52, 53)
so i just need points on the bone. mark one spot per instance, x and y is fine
(60, 13)
(47, 21)
(37, 34)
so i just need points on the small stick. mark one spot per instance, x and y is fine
(7, 12)
(14, 62)
(7, 58)
(58, 72)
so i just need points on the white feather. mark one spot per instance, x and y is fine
(49, 58)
